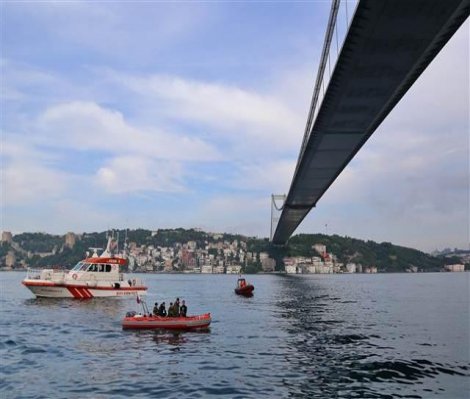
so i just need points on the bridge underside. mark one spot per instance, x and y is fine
(388, 45)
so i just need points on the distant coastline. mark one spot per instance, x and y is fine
(181, 251)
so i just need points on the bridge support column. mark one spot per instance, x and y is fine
(276, 211)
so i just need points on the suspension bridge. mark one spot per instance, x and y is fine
(387, 45)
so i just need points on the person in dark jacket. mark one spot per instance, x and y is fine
(171, 310)
(162, 310)
(183, 309)
(177, 307)
(155, 309)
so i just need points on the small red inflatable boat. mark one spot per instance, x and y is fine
(138, 321)
(243, 288)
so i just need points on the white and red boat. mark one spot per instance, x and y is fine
(98, 276)
(149, 322)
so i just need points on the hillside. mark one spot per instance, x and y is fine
(41, 249)
(386, 256)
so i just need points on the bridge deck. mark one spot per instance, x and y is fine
(389, 44)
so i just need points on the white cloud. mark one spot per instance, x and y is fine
(137, 160)
(111, 29)
(26, 176)
(137, 174)
(88, 126)
(231, 112)
(270, 176)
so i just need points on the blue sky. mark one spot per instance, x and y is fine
(190, 114)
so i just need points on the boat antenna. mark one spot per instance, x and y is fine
(117, 242)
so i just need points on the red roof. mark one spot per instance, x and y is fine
(118, 261)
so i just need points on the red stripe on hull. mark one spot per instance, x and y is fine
(74, 292)
(68, 286)
(82, 292)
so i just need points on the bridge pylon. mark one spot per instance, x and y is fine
(276, 211)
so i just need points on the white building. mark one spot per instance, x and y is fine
(268, 264)
(312, 269)
(455, 268)
(206, 269)
(234, 269)
(218, 269)
(291, 269)
(351, 267)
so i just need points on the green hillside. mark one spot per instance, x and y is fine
(386, 256)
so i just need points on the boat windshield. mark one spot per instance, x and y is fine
(78, 266)
(93, 267)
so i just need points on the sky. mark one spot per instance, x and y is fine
(149, 114)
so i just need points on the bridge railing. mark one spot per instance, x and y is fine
(341, 14)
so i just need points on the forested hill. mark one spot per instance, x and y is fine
(386, 256)
(41, 249)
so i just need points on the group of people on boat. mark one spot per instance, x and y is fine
(174, 310)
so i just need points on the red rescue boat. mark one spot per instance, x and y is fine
(149, 322)
(98, 276)
(243, 288)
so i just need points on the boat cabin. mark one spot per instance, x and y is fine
(98, 268)
(241, 283)
(99, 265)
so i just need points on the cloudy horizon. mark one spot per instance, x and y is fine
(164, 115)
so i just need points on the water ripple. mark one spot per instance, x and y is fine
(298, 337)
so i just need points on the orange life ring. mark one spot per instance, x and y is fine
(74, 276)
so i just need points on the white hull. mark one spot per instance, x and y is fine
(79, 292)
(96, 277)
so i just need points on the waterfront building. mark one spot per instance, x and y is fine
(234, 269)
(168, 265)
(312, 269)
(455, 268)
(268, 264)
(291, 269)
(218, 269)
(206, 269)
(10, 259)
(351, 268)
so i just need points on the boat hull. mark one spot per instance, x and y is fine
(168, 323)
(47, 289)
(245, 291)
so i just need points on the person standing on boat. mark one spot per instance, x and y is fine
(155, 309)
(177, 307)
(183, 309)
(162, 310)
(171, 310)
